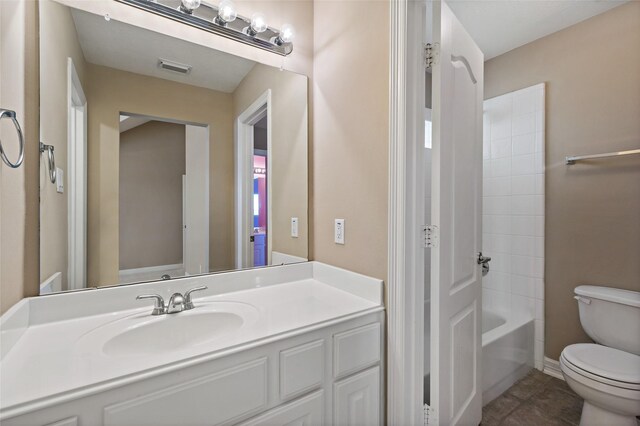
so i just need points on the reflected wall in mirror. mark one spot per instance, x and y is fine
(171, 158)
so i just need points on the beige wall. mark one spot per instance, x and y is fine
(289, 130)
(592, 106)
(151, 195)
(351, 133)
(58, 42)
(110, 92)
(19, 187)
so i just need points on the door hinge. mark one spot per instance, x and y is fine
(430, 415)
(430, 236)
(431, 53)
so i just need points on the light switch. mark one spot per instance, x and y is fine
(59, 180)
(339, 231)
(294, 227)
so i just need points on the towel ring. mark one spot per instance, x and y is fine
(12, 115)
(52, 160)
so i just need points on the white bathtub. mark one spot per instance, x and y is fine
(507, 352)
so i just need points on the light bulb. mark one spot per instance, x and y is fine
(188, 6)
(258, 23)
(287, 33)
(226, 12)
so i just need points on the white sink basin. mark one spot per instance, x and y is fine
(142, 334)
(167, 333)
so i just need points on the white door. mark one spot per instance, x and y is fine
(244, 150)
(196, 218)
(456, 211)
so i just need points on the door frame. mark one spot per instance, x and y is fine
(205, 170)
(77, 180)
(405, 298)
(244, 179)
(405, 302)
(406, 237)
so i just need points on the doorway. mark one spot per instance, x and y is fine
(164, 169)
(253, 184)
(260, 196)
(435, 236)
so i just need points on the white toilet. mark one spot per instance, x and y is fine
(606, 374)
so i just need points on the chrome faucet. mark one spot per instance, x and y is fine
(177, 302)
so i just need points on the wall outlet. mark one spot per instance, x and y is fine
(294, 227)
(59, 180)
(339, 231)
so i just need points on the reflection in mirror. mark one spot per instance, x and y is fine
(172, 158)
(164, 169)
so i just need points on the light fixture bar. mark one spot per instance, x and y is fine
(204, 18)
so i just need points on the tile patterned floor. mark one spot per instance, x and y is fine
(536, 400)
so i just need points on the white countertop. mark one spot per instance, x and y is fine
(53, 361)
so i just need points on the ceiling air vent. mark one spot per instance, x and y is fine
(174, 66)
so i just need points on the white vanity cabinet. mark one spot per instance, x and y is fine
(326, 374)
(289, 345)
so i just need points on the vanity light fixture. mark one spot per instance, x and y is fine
(287, 34)
(258, 24)
(222, 20)
(188, 6)
(226, 13)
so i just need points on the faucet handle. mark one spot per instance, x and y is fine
(158, 308)
(188, 304)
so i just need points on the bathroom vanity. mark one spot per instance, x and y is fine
(183, 155)
(295, 343)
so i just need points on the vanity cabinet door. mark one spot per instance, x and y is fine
(219, 398)
(356, 349)
(301, 369)
(356, 399)
(46, 417)
(307, 411)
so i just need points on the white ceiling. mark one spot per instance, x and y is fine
(129, 48)
(500, 26)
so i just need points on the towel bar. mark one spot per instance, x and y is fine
(12, 115)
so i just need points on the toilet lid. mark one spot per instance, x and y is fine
(609, 363)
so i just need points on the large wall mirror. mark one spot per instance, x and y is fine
(161, 158)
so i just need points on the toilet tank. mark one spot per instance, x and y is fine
(610, 316)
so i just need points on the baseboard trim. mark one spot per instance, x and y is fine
(552, 368)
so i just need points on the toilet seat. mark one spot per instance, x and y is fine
(603, 364)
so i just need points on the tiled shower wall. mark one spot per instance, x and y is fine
(513, 207)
